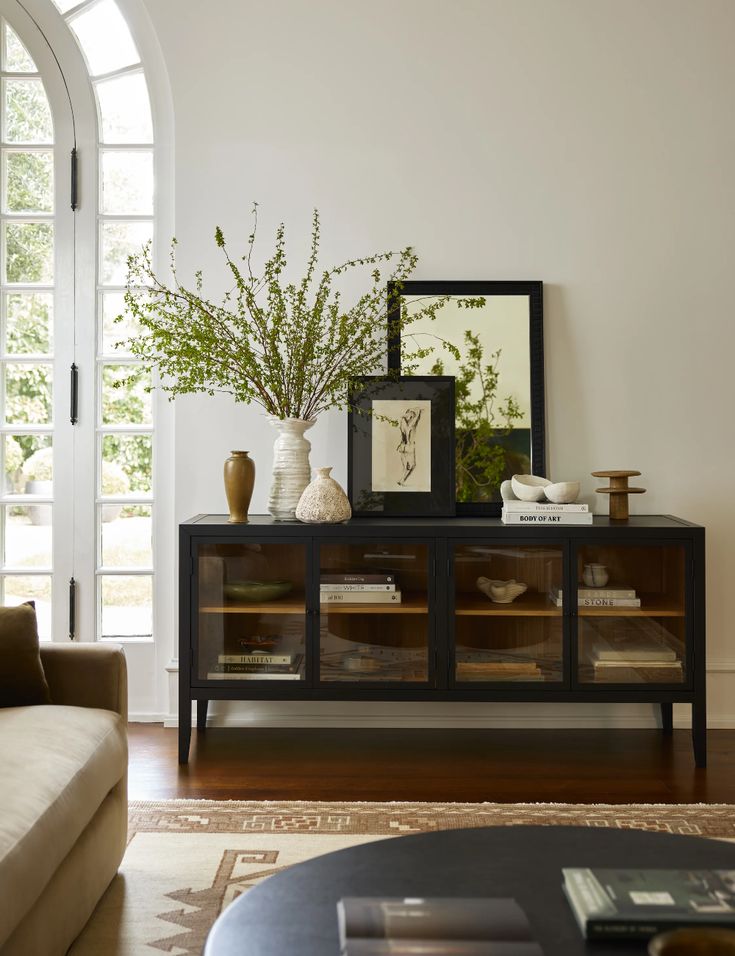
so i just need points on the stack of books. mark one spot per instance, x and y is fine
(614, 596)
(633, 650)
(357, 588)
(543, 512)
(498, 670)
(257, 666)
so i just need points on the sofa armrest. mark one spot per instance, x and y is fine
(87, 675)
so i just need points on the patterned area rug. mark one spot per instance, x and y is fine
(187, 860)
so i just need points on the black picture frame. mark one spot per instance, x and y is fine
(533, 291)
(371, 476)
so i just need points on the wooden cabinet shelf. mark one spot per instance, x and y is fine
(410, 604)
(527, 605)
(446, 640)
(289, 605)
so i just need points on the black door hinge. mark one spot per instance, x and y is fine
(72, 609)
(74, 180)
(74, 394)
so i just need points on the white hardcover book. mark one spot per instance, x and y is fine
(253, 676)
(255, 659)
(544, 518)
(633, 655)
(608, 602)
(362, 588)
(658, 665)
(611, 592)
(360, 597)
(544, 506)
(596, 602)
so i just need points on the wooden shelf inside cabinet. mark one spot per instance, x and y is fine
(527, 605)
(652, 605)
(411, 604)
(295, 605)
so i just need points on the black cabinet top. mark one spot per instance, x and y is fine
(646, 525)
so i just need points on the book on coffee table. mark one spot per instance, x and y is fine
(461, 926)
(637, 904)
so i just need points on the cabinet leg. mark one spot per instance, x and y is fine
(699, 734)
(202, 706)
(184, 728)
(667, 718)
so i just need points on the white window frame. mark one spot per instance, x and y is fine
(147, 660)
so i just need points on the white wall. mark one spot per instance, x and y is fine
(590, 145)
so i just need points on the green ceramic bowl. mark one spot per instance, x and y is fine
(256, 591)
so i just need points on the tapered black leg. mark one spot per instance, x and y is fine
(667, 718)
(699, 734)
(184, 727)
(202, 706)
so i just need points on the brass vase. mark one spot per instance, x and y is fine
(239, 481)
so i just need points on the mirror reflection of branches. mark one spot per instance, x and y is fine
(482, 417)
(488, 336)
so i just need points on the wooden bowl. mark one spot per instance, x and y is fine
(256, 591)
(704, 941)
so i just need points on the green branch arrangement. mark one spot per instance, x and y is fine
(291, 347)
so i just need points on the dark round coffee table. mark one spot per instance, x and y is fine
(295, 912)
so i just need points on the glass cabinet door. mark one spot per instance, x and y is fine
(508, 613)
(251, 622)
(631, 614)
(374, 612)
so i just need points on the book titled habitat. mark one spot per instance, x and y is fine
(637, 904)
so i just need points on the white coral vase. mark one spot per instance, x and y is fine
(291, 469)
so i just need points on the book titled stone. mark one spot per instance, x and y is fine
(544, 518)
(370, 926)
(637, 904)
(360, 597)
(608, 602)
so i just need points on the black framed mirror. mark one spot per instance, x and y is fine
(489, 336)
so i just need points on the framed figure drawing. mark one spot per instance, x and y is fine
(489, 336)
(400, 446)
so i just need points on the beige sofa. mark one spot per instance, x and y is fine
(63, 799)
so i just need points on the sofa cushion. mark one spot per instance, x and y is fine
(57, 766)
(22, 679)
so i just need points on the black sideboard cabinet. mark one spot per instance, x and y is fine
(255, 625)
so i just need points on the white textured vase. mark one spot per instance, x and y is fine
(291, 469)
(324, 501)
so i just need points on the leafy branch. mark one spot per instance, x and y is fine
(291, 347)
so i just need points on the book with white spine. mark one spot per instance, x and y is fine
(545, 517)
(362, 588)
(545, 506)
(360, 597)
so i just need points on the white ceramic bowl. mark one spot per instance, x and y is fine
(529, 487)
(562, 492)
(501, 592)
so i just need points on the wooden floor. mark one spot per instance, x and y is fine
(575, 766)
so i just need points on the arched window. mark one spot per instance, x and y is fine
(78, 504)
